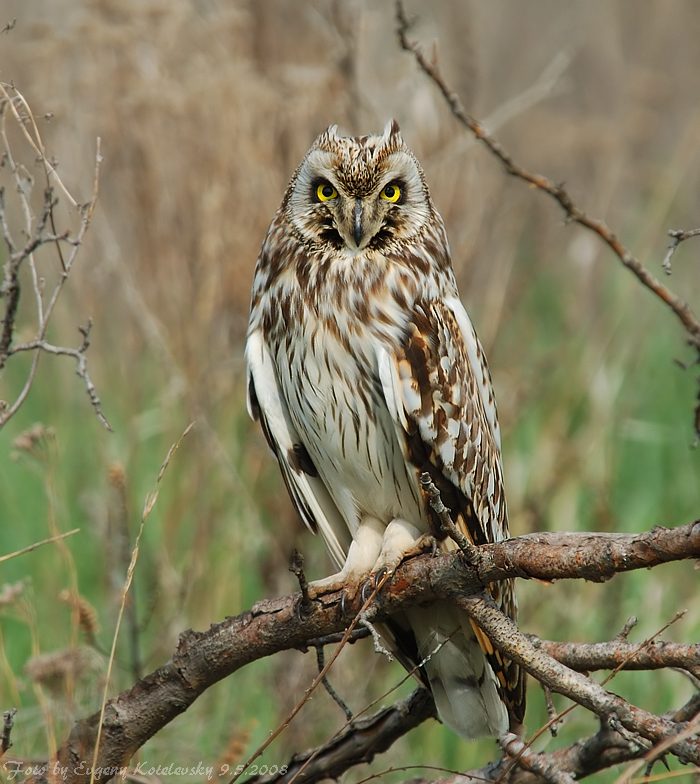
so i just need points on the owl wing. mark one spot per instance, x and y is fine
(438, 389)
(307, 491)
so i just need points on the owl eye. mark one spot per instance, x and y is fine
(326, 192)
(391, 193)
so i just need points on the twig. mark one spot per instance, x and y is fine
(297, 567)
(332, 639)
(321, 661)
(558, 192)
(360, 741)
(378, 647)
(553, 650)
(585, 757)
(8, 724)
(554, 720)
(623, 634)
(416, 716)
(664, 745)
(688, 711)
(313, 686)
(14, 104)
(589, 657)
(678, 237)
(79, 355)
(470, 550)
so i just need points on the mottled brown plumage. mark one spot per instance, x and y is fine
(365, 371)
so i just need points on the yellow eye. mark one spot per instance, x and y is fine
(326, 192)
(391, 193)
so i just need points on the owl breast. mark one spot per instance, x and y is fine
(326, 360)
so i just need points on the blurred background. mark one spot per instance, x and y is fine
(204, 109)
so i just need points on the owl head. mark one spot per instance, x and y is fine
(358, 193)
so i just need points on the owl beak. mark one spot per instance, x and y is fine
(357, 230)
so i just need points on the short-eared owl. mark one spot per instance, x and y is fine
(365, 371)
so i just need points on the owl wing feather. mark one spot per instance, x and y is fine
(438, 389)
(306, 489)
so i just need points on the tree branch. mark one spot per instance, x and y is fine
(584, 657)
(204, 658)
(358, 743)
(557, 191)
(613, 710)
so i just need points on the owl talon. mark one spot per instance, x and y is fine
(379, 576)
(367, 588)
(427, 544)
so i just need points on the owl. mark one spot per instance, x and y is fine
(365, 371)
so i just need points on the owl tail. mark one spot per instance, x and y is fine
(462, 682)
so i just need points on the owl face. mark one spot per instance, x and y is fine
(359, 193)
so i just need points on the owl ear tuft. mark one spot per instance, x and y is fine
(392, 135)
(392, 130)
(327, 137)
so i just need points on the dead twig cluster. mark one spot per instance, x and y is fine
(37, 232)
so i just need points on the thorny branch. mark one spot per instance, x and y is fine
(204, 658)
(13, 104)
(557, 191)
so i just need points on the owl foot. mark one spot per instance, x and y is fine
(399, 542)
(426, 544)
(362, 555)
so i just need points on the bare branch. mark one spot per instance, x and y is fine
(38, 236)
(534, 763)
(557, 191)
(204, 658)
(678, 237)
(79, 355)
(588, 657)
(584, 758)
(617, 713)
(471, 552)
(359, 743)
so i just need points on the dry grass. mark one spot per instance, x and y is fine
(204, 110)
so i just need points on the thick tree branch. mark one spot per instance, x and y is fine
(204, 658)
